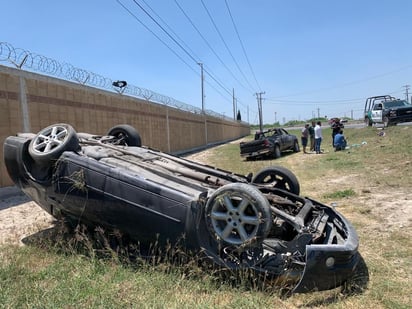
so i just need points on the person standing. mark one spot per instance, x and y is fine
(311, 130)
(304, 137)
(318, 137)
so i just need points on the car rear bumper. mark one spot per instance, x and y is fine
(257, 153)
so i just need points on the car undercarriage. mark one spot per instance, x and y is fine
(258, 222)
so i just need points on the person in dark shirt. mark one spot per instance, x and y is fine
(311, 130)
(337, 126)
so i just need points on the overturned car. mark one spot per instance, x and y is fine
(258, 222)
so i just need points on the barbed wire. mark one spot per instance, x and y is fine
(24, 59)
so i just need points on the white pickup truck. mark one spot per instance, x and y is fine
(387, 110)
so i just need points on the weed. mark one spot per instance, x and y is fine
(340, 194)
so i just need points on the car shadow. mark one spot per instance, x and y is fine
(12, 196)
(358, 283)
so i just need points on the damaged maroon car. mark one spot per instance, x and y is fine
(258, 222)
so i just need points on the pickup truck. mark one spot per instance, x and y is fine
(269, 143)
(387, 110)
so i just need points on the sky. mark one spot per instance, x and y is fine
(303, 58)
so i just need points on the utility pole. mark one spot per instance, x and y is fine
(318, 112)
(203, 99)
(202, 86)
(259, 101)
(234, 104)
(407, 87)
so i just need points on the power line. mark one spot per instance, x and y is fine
(321, 102)
(241, 44)
(209, 71)
(346, 84)
(170, 28)
(209, 45)
(227, 47)
(166, 32)
(315, 101)
(180, 44)
(176, 42)
(155, 35)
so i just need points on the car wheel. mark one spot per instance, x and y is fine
(52, 141)
(276, 152)
(278, 177)
(296, 147)
(238, 214)
(126, 135)
(368, 122)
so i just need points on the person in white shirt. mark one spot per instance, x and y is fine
(318, 136)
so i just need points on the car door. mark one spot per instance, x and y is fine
(377, 112)
(286, 140)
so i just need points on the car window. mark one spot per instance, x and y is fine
(377, 107)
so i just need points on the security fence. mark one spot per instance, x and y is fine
(24, 59)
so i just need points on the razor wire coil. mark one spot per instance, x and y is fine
(26, 60)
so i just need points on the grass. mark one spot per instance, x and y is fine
(340, 194)
(50, 279)
(370, 183)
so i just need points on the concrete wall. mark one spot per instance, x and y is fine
(30, 102)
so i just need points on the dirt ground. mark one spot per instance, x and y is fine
(20, 217)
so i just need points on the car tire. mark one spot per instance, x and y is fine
(126, 134)
(276, 152)
(239, 215)
(368, 122)
(52, 141)
(296, 146)
(278, 177)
